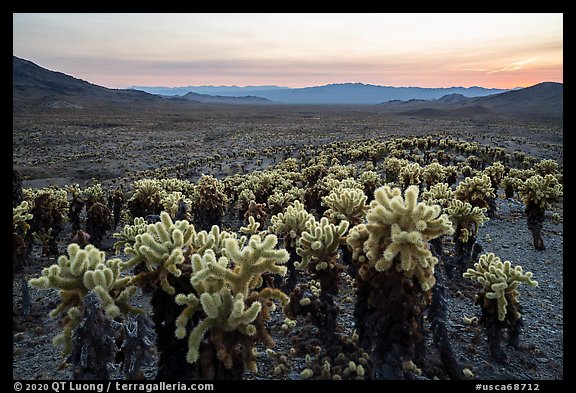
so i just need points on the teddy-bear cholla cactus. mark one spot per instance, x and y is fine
(160, 248)
(467, 219)
(20, 226)
(228, 301)
(438, 194)
(318, 246)
(320, 242)
(500, 281)
(495, 172)
(290, 224)
(85, 270)
(477, 191)
(499, 299)
(538, 193)
(433, 173)
(395, 280)
(209, 202)
(402, 227)
(346, 204)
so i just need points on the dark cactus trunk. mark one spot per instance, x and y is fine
(389, 319)
(535, 219)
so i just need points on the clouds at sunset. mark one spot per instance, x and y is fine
(296, 50)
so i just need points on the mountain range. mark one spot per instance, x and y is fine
(336, 93)
(35, 85)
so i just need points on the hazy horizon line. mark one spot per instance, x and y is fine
(337, 83)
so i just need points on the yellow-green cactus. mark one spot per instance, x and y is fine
(213, 240)
(291, 223)
(433, 173)
(402, 227)
(540, 191)
(477, 191)
(170, 202)
(500, 280)
(495, 172)
(252, 227)
(128, 235)
(20, 214)
(546, 167)
(320, 240)
(226, 294)
(438, 194)
(161, 249)
(250, 262)
(466, 217)
(410, 174)
(356, 238)
(346, 204)
(78, 273)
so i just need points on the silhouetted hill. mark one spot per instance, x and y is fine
(224, 99)
(34, 84)
(541, 100)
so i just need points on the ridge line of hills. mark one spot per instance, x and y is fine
(33, 84)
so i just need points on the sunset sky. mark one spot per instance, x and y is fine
(296, 50)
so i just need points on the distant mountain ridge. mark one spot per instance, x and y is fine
(335, 93)
(544, 99)
(206, 98)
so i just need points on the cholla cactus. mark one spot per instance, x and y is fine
(227, 306)
(371, 181)
(467, 219)
(251, 228)
(320, 241)
(346, 204)
(402, 227)
(499, 300)
(98, 221)
(173, 202)
(395, 281)
(495, 172)
(213, 240)
(256, 210)
(433, 173)
(356, 238)
(410, 174)
(128, 235)
(49, 206)
(477, 191)
(20, 227)
(161, 249)
(538, 193)
(438, 194)
(279, 200)
(318, 247)
(546, 167)
(146, 198)
(85, 270)
(510, 184)
(393, 166)
(209, 202)
(500, 281)
(21, 214)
